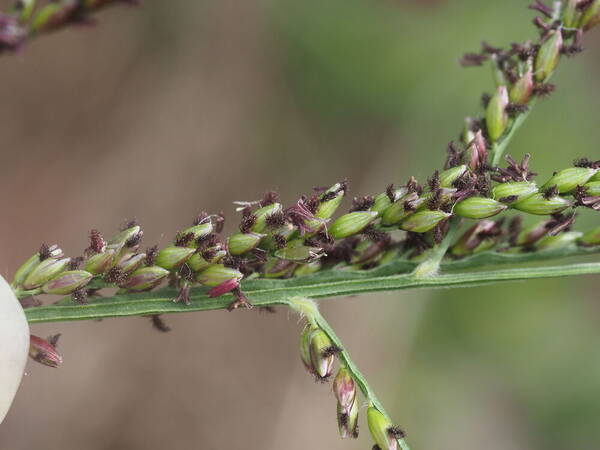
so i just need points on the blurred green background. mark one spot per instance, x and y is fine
(178, 106)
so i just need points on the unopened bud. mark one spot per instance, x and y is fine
(561, 240)
(119, 240)
(351, 223)
(130, 262)
(548, 55)
(295, 250)
(449, 176)
(322, 354)
(67, 282)
(591, 16)
(261, 215)
(44, 352)
(568, 179)
(217, 274)
(330, 201)
(348, 420)
(240, 243)
(521, 91)
(100, 262)
(398, 211)
(592, 188)
(478, 208)
(145, 278)
(198, 262)
(383, 201)
(278, 268)
(173, 257)
(52, 252)
(497, 73)
(423, 221)
(305, 348)
(192, 234)
(344, 388)
(496, 116)
(591, 237)
(380, 427)
(540, 205)
(25, 270)
(513, 191)
(477, 151)
(45, 271)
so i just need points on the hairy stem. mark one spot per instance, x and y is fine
(431, 265)
(499, 147)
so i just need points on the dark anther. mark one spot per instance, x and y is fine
(80, 296)
(390, 191)
(134, 240)
(247, 222)
(159, 324)
(434, 181)
(543, 90)
(586, 162)
(151, 255)
(549, 192)
(269, 198)
(485, 99)
(331, 351)
(115, 276)
(275, 220)
(472, 59)
(129, 224)
(44, 252)
(514, 109)
(396, 432)
(362, 203)
(183, 240)
(279, 240)
(200, 218)
(454, 156)
(508, 199)
(75, 263)
(97, 243)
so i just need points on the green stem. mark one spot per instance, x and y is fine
(499, 148)
(353, 369)
(261, 292)
(431, 265)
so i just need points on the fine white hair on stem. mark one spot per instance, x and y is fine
(14, 346)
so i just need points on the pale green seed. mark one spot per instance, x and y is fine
(478, 208)
(518, 189)
(539, 205)
(568, 179)
(423, 221)
(449, 176)
(351, 223)
(240, 243)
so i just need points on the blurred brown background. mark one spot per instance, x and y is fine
(176, 107)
